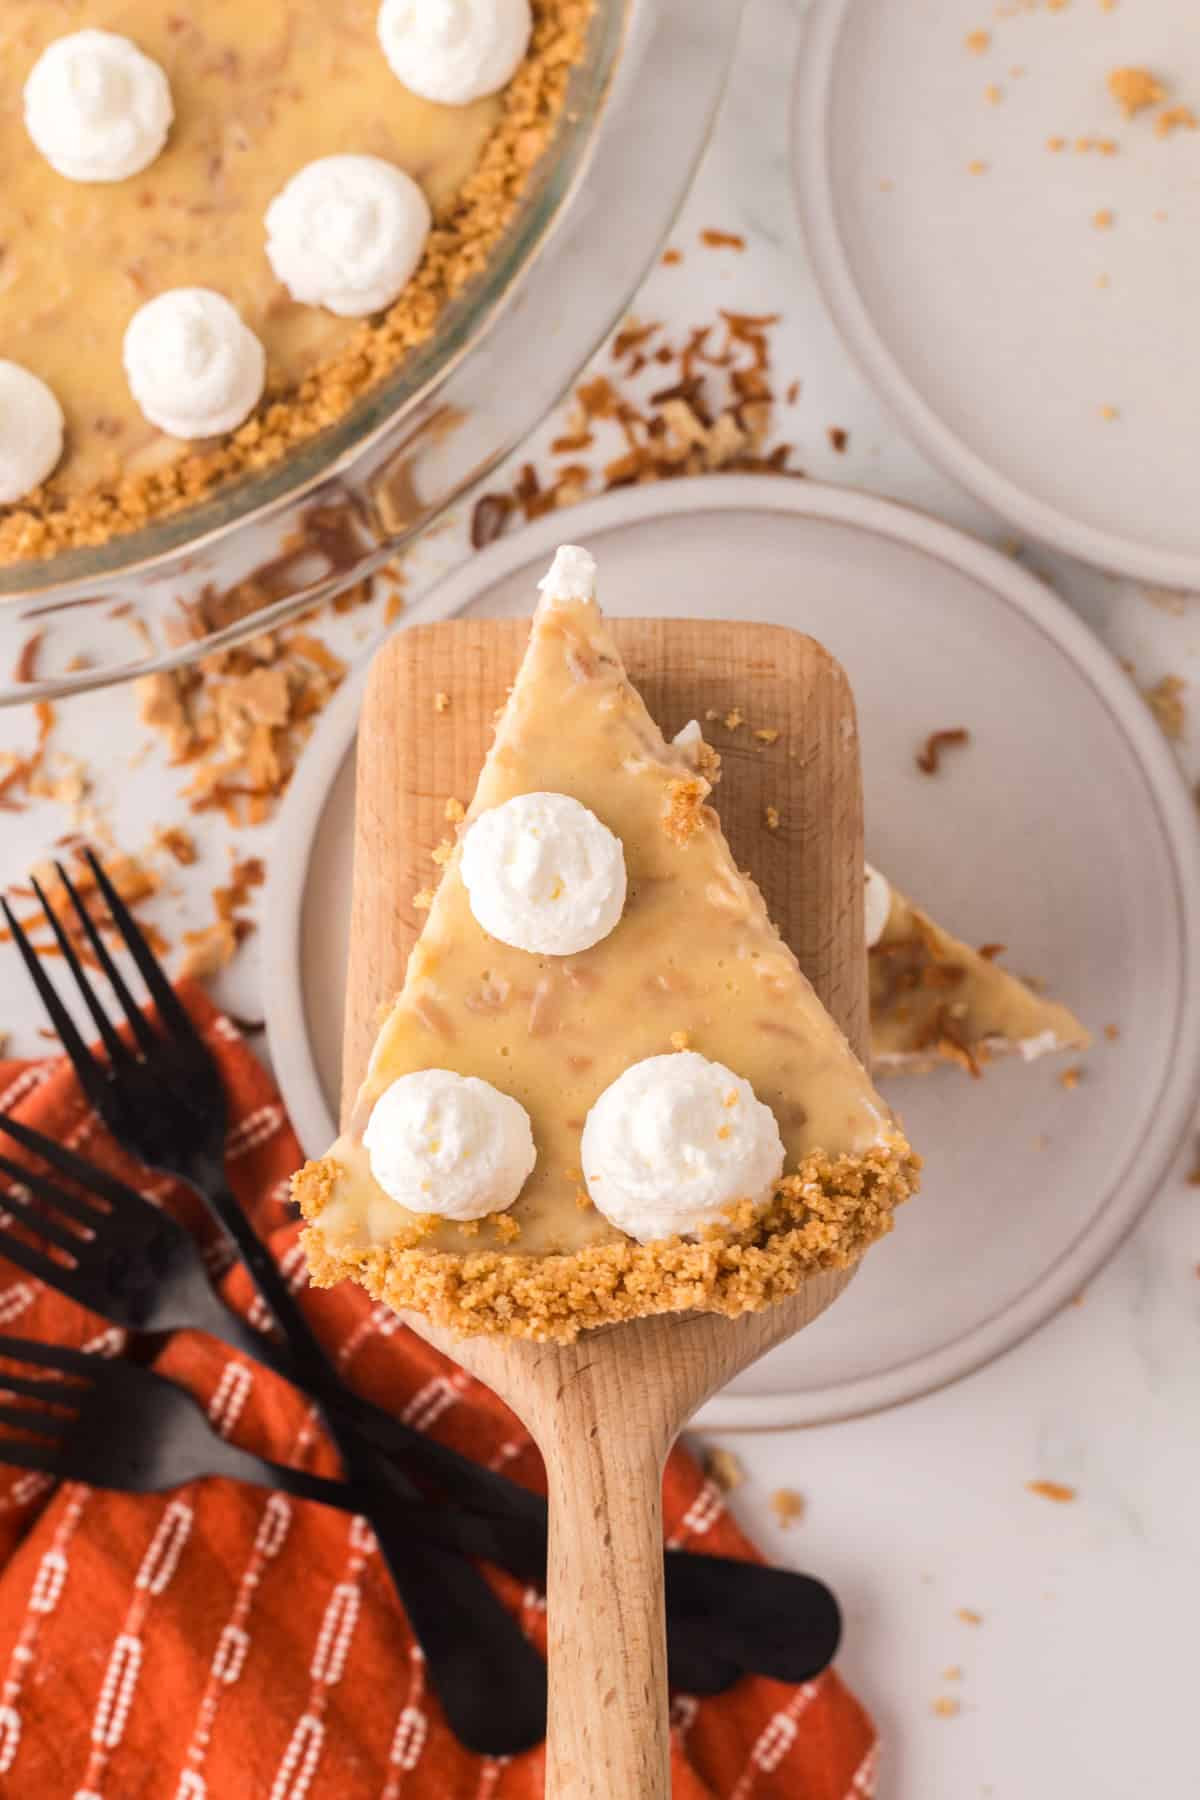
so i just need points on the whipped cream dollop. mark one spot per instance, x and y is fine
(97, 107)
(877, 898)
(449, 1144)
(674, 1142)
(571, 576)
(454, 51)
(544, 874)
(346, 233)
(31, 431)
(193, 366)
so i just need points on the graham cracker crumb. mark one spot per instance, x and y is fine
(207, 951)
(992, 94)
(968, 1616)
(1070, 1078)
(1174, 118)
(977, 41)
(441, 853)
(1112, 1033)
(507, 1229)
(722, 240)
(977, 167)
(788, 1506)
(734, 719)
(771, 817)
(422, 900)
(684, 815)
(1058, 1491)
(672, 257)
(767, 734)
(1109, 413)
(839, 437)
(680, 1040)
(1133, 89)
(1103, 219)
(456, 812)
(946, 1707)
(1165, 700)
(953, 1673)
(723, 1469)
(824, 1215)
(441, 702)
(1056, 143)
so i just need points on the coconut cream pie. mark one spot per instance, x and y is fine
(220, 223)
(935, 999)
(606, 1088)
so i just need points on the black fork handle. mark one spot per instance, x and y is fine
(483, 1490)
(457, 1619)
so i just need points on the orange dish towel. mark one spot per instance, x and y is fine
(223, 1643)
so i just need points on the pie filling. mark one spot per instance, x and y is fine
(935, 999)
(259, 91)
(693, 964)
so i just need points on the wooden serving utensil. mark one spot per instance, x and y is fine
(605, 1410)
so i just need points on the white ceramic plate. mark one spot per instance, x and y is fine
(989, 310)
(1064, 830)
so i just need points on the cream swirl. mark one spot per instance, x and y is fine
(346, 233)
(449, 1144)
(544, 874)
(454, 51)
(193, 367)
(676, 1141)
(97, 107)
(31, 431)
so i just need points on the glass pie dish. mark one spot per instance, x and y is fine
(590, 221)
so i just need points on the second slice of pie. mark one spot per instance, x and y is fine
(606, 1088)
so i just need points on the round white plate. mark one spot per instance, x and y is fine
(991, 312)
(1064, 829)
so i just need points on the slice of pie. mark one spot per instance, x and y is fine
(647, 1111)
(935, 999)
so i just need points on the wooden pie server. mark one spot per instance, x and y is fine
(606, 1410)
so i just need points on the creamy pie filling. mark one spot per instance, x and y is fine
(694, 962)
(935, 999)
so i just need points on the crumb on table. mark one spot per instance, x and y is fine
(1057, 1491)
(946, 1707)
(441, 701)
(966, 1615)
(787, 1505)
(723, 1469)
(1133, 89)
(929, 757)
(977, 41)
(771, 817)
(1071, 1078)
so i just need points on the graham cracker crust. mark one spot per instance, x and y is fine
(823, 1216)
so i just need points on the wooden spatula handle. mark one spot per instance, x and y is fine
(607, 1729)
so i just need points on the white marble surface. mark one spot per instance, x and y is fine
(1079, 1680)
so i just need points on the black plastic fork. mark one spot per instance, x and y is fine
(137, 1266)
(114, 1423)
(134, 1264)
(163, 1100)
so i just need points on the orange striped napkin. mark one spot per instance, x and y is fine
(223, 1643)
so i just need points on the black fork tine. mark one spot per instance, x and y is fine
(120, 987)
(79, 1365)
(97, 1181)
(18, 1453)
(24, 1418)
(42, 1267)
(54, 1393)
(52, 1230)
(41, 1185)
(91, 1075)
(171, 1009)
(117, 1051)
